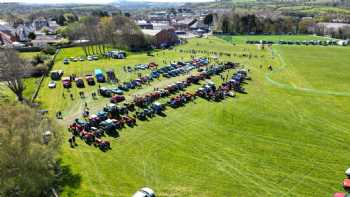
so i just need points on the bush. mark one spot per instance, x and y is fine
(39, 70)
(38, 59)
(49, 50)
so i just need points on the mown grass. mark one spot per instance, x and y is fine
(242, 39)
(269, 142)
(328, 70)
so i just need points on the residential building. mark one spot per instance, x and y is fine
(184, 25)
(40, 23)
(7, 35)
(143, 24)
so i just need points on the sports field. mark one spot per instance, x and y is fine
(277, 140)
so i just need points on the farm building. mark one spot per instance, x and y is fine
(166, 38)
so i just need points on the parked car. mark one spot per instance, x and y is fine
(56, 74)
(145, 192)
(52, 84)
(65, 61)
(89, 58)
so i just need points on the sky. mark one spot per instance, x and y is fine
(92, 1)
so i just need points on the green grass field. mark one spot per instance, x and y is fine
(242, 39)
(273, 141)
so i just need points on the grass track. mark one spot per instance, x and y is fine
(325, 62)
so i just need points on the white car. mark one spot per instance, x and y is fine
(89, 58)
(52, 84)
(144, 192)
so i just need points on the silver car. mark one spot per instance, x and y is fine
(144, 192)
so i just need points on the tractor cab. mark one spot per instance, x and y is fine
(105, 92)
(79, 82)
(90, 80)
(157, 107)
(117, 98)
(66, 82)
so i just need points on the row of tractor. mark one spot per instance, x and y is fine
(172, 70)
(211, 92)
(181, 99)
(114, 117)
(142, 101)
(90, 79)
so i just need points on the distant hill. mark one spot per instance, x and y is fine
(129, 5)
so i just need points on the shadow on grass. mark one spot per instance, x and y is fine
(67, 180)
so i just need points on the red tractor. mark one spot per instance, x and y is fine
(129, 121)
(90, 80)
(117, 98)
(103, 145)
(66, 82)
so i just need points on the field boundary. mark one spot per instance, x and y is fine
(52, 62)
(290, 87)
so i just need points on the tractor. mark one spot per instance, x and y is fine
(90, 80)
(157, 107)
(105, 92)
(103, 145)
(79, 82)
(117, 99)
(66, 82)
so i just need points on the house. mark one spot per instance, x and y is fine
(40, 23)
(151, 32)
(7, 35)
(166, 38)
(161, 25)
(199, 26)
(158, 16)
(53, 27)
(45, 40)
(145, 24)
(22, 32)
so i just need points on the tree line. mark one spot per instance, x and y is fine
(108, 31)
(236, 23)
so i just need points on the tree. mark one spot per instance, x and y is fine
(61, 20)
(31, 36)
(208, 20)
(29, 143)
(12, 71)
(305, 25)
